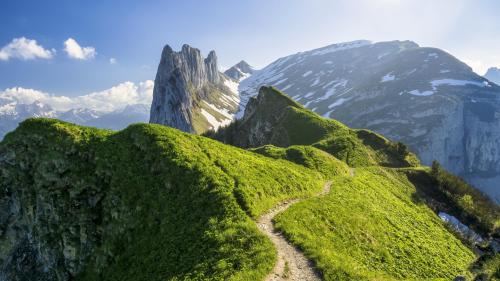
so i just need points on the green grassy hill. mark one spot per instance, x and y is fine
(153, 203)
(370, 227)
(146, 203)
(274, 118)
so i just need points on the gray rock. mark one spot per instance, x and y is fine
(240, 71)
(190, 93)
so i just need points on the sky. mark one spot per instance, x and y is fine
(79, 47)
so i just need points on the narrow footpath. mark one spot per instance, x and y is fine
(291, 264)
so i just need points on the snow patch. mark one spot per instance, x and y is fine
(388, 77)
(333, 89)
(307, 73)
(340, 47)
(216, 124)
(316, 82)
(445, 82)
(310, 94)
(232, 85)
(338, 102)
(461, 228)
(455, 82)
(421, 94)
(280, 82)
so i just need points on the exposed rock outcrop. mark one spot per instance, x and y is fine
(240, 71)
(190, 93)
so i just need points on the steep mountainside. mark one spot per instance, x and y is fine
(493, 74)
(423, 97)
(189, 92)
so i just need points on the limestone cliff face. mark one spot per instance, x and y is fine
(190, 93)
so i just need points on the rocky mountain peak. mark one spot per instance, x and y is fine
(188, 89)
(493, 74)
(240, 71)
(245, 67)
(211, 67)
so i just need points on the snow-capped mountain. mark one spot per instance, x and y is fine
(240, 71)
(423, 97)
(493, 74)
(113, 108)
(12, 115)
(119, 119)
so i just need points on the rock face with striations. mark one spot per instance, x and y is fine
(190, 93)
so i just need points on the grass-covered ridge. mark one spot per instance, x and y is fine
(274, 118)
(371, 227)
(147, 203)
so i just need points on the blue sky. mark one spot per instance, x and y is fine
(259, 31)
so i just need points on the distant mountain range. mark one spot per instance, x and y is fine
(114, 108)
(12, 113)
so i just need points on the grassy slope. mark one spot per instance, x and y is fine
(173, 205)
(295, 125)
(370, 228)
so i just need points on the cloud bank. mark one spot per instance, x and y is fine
(25, 49)
(115, 98)
(75, 51)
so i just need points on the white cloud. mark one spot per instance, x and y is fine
(25, 49)
(75, 51)
(113, 61)
(480, 66)
(115, 98)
